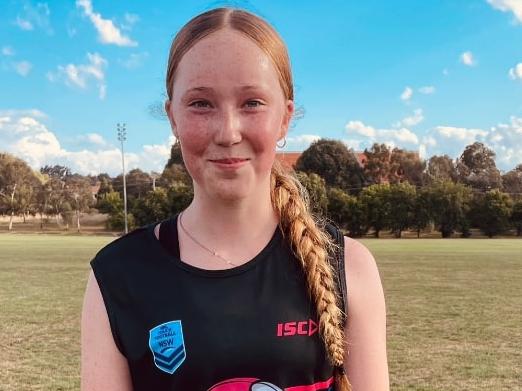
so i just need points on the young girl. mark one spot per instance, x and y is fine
(239, 291)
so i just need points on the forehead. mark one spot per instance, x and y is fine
(225, 58)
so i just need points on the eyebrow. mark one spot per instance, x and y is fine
(210, 89)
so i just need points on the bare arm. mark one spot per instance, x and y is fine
(366, 364)
(103, 367)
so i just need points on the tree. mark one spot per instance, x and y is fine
(338, 210)
(174, 174)
(476, 167)
(516, 217)
(110, 203)
(138, 183)
(17, 184)
(316, 189)
(495, 210)
(116, 221)
(154, 206)
(180, 196)
(449, 204)
(440, 168)
(421, 211)
(56, 171)
(78, 194)
(407, 166)
(176, 156)
(105, 184)
(378, 167)
(401, 198)
(347, 212)
(332, 161)
(375, 201)
(512, 181)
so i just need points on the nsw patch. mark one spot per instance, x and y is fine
(167, 345)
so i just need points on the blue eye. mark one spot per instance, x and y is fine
(254, 103)
(201, 104)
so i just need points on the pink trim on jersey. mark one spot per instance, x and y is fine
(313, 387)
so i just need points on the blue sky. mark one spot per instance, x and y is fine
(432, 77)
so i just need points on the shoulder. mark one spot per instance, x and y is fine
(359, 261)
(366, 363)
(127, 243)
(363, 279)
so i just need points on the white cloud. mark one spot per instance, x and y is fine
(108, 33)
(467, 59)
(463, 134)
(429, 141)
(403, 135)
(423, 154)
(30, 139)
(390, 135)
(134, 60)
(427, 90)
(506, 141)
(92, 138)
(7, 51)
(360, 128)
(514, 6)
(102, 92)
(24, 24)
(130, 20)
(356, 145)
(407, 94)
(300, 142)
(35, 16)
(80, 75)
(23, 113)
(413, 120)
(516, 72)
(22, 68)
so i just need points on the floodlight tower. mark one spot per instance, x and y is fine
(122, 136)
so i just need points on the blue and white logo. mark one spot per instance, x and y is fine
(167, 346)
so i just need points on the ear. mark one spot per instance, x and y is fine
(289, 113)
(168, 105)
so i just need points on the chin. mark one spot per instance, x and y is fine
(231, 193)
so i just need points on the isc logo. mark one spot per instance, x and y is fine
(305, 327)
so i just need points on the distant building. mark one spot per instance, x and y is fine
(289, 159)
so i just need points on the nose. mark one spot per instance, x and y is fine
(228, 128)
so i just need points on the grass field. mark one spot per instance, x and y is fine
(454, 311)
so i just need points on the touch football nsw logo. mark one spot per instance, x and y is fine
(167, 345)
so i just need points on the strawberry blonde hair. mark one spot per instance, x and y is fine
(310, 244)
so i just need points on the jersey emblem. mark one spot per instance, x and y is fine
(167, 345)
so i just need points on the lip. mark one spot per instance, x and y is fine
(231, 163)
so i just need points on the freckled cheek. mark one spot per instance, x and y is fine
(262, 139)
(194, 136)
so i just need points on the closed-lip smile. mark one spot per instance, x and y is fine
(230, 160)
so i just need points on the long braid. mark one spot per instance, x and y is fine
(311, 246)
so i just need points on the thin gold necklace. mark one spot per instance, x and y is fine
(214, 253)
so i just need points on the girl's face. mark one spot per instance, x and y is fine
(228, 111)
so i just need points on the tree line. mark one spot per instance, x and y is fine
(392, 190)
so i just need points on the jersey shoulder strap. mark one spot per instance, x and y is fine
(339, 266)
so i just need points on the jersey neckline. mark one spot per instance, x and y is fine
(274, 240)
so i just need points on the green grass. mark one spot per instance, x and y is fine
(454, 311)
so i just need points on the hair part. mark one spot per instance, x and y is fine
(310, 244)
(252, 26)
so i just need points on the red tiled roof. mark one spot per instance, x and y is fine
(289, 159)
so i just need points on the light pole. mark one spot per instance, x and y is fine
(122, 136)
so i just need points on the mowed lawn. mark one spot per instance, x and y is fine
(454, 311)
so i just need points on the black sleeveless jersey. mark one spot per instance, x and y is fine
(251, 327)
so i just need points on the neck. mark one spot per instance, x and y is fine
(237, 220)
